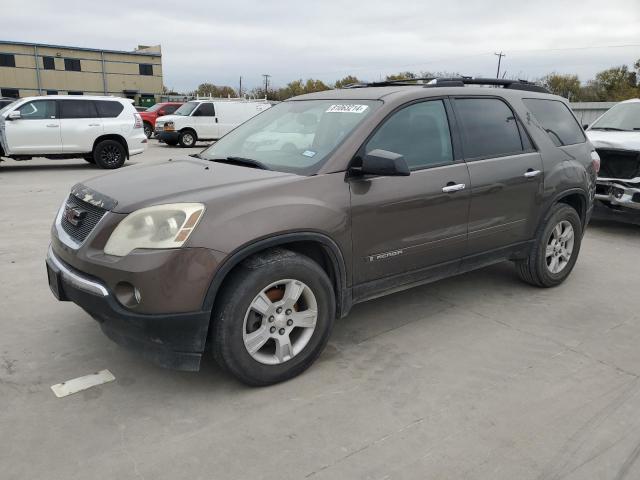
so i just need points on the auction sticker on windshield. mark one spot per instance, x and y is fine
(346, 109)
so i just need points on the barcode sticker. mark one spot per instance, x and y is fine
(346, 109)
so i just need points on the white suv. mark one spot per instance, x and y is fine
(102, 130)
(206, 120)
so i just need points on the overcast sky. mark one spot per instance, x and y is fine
(219, 41)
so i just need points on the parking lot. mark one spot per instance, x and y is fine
(479, 376)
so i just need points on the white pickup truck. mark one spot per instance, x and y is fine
(206, 120)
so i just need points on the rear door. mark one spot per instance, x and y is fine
(37, 131)
(505, 170)
(408, 224)
(205, 121)
(80, 125)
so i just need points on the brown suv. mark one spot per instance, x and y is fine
(254, 247)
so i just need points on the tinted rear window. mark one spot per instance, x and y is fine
(109, 109)
(556, 119)
(77, 109)
(490, 128)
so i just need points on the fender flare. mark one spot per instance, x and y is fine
(563, 194)
(334, 254)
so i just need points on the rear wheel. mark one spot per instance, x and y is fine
(556, 248)
(273, 318)
(109, 154)
(148, 129)
(187, 138)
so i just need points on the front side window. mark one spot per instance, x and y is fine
(557, 121)
(294, 136)
(186, 109)
(624, 117)
(38, 110)
(205, 110)
(419, 132)
(77, 109)
(490, 128)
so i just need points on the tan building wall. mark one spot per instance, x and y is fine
(103, 72)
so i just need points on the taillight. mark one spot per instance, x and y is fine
(595, 161)
(138, 120)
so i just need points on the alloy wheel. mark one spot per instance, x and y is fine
(111, 155)
(280, 321)
(559, 247)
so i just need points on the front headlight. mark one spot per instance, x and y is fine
(169, 126)
(160, 226)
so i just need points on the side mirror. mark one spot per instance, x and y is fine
(585, 126)
(384, 163)
(15, 115)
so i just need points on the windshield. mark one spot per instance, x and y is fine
(5, 106)
(624, 116)
(186, 109)
(294, 136)
(154, 107)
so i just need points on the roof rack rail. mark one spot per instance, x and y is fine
(430, 82)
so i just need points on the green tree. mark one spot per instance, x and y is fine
(615, 84)
(401, 76)
(209, 89)
(567, 86)
(315, 86)
(348, 80)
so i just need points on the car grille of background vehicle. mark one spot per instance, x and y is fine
(91, 217)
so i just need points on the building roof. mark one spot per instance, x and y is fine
(85, 49)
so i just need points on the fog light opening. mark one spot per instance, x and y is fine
(127, 294)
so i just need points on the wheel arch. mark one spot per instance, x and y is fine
(576, 198)
(112, 136)
(317, 246)
(189, 129)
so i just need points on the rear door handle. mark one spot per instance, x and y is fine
(453, 187)
(94, 124)
(532, 173)
(52, 125)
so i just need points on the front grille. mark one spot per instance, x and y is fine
(91, 215)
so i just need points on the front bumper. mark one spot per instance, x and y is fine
(175, 340)
(167, 137)
(619, 193)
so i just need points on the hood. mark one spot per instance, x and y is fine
(614, 140)
(183, 180)
(169, 118)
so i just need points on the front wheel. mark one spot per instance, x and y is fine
(556, 248)
(273, 317)
(148, 130)
(187, 139)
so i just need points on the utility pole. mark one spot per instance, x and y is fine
(240, 88)
(499, 55)
(266, 83)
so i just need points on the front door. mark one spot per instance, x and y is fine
(206, 122)
(37, 131)
(401, 226)
(506, 174)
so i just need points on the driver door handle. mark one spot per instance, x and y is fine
(453, 187)
(51, 125)
(532, 173)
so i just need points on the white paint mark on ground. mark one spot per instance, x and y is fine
(79, 384)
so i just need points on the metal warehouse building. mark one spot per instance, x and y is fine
(28, 69)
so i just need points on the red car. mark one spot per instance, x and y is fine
(158, 110)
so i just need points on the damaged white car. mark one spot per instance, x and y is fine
(616, 137)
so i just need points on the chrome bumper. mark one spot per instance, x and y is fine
(74, 277)
(624, 193)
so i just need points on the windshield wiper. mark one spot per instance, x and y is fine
(247, 162)
(195, 155)
(610, 129)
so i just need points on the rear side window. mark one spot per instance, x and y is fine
(109, 109)
(205, 110)
(490, 128)
(419, 132)
(77, 109)
(557, 121)
(38, 110)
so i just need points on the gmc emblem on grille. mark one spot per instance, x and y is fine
(74, 215)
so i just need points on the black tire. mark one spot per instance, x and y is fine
(238, 293)
(187, 138)
(109, 154)
(535, 269)
(148, 129)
